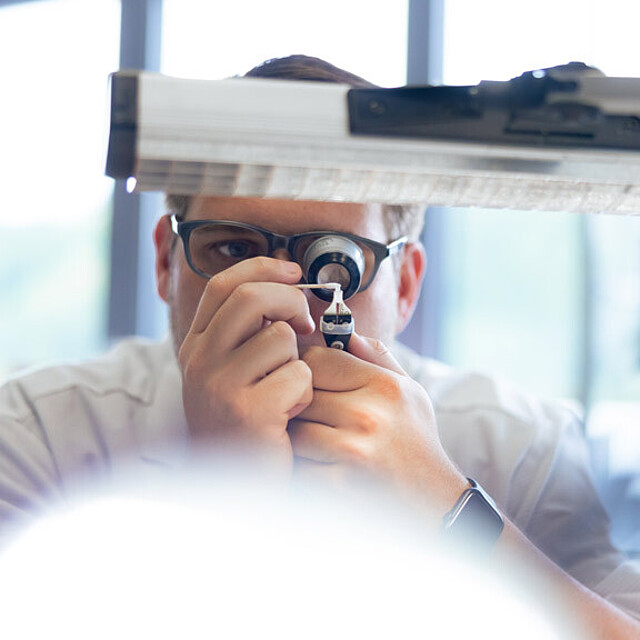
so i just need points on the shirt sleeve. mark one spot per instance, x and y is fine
(29, 482)
(569, 523)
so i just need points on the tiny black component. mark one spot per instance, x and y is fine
(337, 330)
(333, 341)
(338, 320)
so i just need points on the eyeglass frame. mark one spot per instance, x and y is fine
(381, 251)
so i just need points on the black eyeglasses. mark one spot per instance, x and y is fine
(211, 246)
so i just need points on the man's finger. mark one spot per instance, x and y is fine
(375, 352)
(269, 349)
(286, 391)
(315, 441)
(328, 408)
(244, 312)
(335, 370)
(222, 285)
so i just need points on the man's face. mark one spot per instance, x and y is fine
(375, 310)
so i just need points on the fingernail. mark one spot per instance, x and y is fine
(292, 267)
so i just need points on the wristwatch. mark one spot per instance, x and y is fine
(474, 521)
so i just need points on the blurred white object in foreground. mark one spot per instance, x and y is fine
(201, 559)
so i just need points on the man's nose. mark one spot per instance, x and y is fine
(282, 254)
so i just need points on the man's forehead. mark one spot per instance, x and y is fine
(287, 215)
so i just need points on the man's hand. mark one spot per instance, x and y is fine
(367, 416)
(242, 378)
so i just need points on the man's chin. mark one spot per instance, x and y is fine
(178, 333)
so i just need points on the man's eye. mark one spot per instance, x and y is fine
(236, 249)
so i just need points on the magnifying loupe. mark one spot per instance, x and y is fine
(334, 259)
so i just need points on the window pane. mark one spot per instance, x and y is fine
(221, 39)
(616, 301)
(550, 299)
(513, 297)
(542, 255)
(499, 39)
(55, 197)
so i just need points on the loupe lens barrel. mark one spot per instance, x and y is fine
(334, 259)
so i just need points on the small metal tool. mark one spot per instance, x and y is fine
(336, 324)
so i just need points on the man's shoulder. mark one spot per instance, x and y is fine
(459, 392)
(130, 368)
(62, 424)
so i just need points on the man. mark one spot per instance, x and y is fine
(252, 377)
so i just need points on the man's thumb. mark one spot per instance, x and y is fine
(375, 352)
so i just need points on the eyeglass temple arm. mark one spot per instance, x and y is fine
(396, 245)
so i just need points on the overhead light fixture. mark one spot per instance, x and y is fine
(552, 141)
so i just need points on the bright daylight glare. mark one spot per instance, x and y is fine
(53, 123)
(499, 39)
(230, 38)
(54, 220)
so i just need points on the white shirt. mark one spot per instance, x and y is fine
(58, 423)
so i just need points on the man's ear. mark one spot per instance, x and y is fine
(163, 238)
(412, 270)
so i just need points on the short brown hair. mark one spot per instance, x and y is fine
(400, 220)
